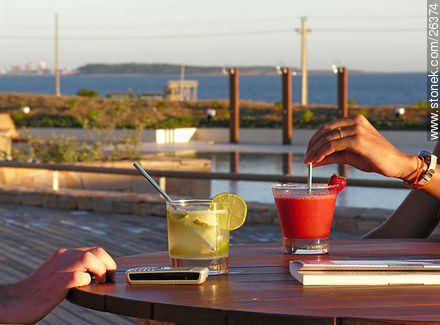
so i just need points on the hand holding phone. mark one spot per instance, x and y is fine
(166, 275)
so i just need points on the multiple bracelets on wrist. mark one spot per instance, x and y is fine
(423, 177)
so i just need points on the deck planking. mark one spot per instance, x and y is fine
(29, 235)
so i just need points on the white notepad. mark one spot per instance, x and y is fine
(366, 272)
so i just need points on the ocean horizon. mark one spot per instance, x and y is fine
(364, 88)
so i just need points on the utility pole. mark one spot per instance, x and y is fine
(57, 61)
(303, 31)
(182, 77)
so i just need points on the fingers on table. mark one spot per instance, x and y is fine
(77, 279)
(94, 260)
(104, 267)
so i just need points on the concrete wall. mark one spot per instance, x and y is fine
(48, 179)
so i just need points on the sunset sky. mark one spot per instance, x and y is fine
(374, 35)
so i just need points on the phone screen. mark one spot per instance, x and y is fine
(164, 276)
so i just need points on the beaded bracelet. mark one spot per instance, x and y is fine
(419, 171)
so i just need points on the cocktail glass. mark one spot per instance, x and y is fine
(198, 234)
(306, 215)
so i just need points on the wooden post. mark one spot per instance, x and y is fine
(342, 92)
(287, 164)
(342, 106)
(234, 162)
(342, 170)
(234, 167)
(234, 120)
(287, 105)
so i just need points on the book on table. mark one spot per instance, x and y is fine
(366, 272)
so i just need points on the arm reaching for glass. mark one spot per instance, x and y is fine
(356, 142)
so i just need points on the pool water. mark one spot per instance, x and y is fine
(272, 163)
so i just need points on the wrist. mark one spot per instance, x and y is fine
(411, 169)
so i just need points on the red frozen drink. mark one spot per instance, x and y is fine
(305, 216)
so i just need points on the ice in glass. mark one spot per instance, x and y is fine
(306, 215)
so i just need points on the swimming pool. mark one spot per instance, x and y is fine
(272, 163)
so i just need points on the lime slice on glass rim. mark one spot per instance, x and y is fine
(237, 208)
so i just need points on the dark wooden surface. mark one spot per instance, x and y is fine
(259, 290)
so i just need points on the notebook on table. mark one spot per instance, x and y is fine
(366, 272)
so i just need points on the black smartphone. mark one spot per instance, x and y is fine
(166, 275)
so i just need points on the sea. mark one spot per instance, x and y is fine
(398, 89)
(364, 88)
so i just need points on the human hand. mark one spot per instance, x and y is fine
(32, 298)
(356, 142)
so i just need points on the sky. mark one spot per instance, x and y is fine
(369, 35)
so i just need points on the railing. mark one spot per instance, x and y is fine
(196, 175)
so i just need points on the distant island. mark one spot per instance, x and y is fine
(170, 69)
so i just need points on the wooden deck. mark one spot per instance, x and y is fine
(31, 234)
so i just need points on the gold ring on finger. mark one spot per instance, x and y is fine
(340, 133)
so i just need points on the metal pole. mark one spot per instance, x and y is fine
(182, 77)
(57, 61)
(304, 90)
(342, 92)
(287, 105)
(234, 119)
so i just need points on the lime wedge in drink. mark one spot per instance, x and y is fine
(237, 208)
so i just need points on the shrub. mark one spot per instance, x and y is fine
(72, 103)
(307, 116)
(46, 120)
(58, 150)
(361, 111)
(145, 121)
(129, 146)
(177, 122)
(225, 113)
(162, 103)
(20, 119)
(422, 104)
(351, 103)
(93, 115)
(216, 104)
(87, 93)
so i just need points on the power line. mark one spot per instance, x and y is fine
(374, 30)
(167, 36)
(241, 21)
(202, 35)
(369, 17)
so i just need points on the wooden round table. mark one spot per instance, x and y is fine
(260, 290)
